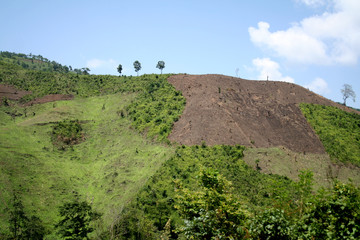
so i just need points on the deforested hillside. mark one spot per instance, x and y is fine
(227, 110)
(172, 157)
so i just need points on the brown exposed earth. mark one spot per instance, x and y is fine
(12, 93)
(50, 98)
(227, 110)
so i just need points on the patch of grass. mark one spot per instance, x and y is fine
(106, 170)
(339, 131)
(284, 162)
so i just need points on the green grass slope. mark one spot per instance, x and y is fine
(120, 117)
(106, 169)
(339, 131)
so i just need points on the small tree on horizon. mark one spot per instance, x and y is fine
(85, 70)
(347, 92)
(119, 69)
(160, 65)
(137, 66)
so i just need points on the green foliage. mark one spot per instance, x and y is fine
(5, 101)
(339, 131)
(134, 225)
(212, 212)
(157, 198)
(21, 226)
(332, 214)
(156, 108)
(271, 224)
(75, 220)
(68, 132)
(38, 62)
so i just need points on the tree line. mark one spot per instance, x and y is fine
(38, 62)
(137, 66)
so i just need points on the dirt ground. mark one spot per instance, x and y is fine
(11, 92)
(227, 110)
(15, 94)
(50, 98)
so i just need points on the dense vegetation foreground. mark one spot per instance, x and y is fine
(100, 166)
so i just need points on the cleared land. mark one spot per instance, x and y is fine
(227, 110)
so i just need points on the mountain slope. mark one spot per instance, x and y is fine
(226, 110)
(106, 169)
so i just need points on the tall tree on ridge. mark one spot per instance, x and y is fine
(347, 92)
(137, 66)
(160, 65)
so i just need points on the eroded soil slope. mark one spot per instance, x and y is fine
(12, 93)
(226, 110)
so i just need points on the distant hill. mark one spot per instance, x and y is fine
(38, 62)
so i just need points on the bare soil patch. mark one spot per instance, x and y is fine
(12, 93)
(50, 98)
(227, 110)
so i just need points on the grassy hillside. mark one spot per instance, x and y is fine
(38, 62)
(339, 131)
(106, 169)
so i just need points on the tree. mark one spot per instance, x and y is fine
(119, 68)
(21, 226)
(18, 219)
(85, 71)
(212, 212)
(347, 92)
(76, 218)
(137, 66)
(160, 65)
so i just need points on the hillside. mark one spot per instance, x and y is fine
(227, 110)
(142, 141)
(38, 62)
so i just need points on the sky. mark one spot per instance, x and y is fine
(312, 43)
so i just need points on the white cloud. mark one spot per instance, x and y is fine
(312, 3)
(319, 86)
(330, 38)
(270, 69)
(98, 63)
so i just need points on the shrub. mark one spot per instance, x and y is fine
(68, 132)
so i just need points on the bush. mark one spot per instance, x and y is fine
(75, 220)
(68, 132)
(271, 224)
(333, 214)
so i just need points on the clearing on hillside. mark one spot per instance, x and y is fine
(227, 110)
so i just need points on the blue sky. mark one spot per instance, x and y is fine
(313, 43)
